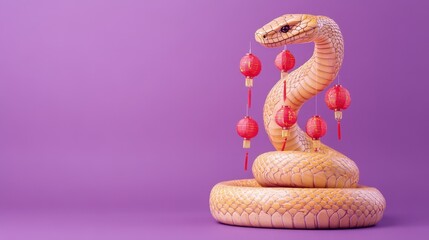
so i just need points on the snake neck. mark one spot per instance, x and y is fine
(304, 83)
(327, 56)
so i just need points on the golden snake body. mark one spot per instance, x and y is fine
(299, 188)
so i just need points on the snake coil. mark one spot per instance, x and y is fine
(299, 188)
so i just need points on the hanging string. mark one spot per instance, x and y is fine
(250, 46)
(316, 97)
(338, 78)
(249, 97)
(284, 92)
(317, 91)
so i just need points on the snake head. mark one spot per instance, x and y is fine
(288, 29)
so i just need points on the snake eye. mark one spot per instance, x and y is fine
(285, 29)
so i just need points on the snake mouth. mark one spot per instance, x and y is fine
(272, 40)
(263, 39)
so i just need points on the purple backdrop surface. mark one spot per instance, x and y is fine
(126, 109)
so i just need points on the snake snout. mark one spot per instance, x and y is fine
(260, 36)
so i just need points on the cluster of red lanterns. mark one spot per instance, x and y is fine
(337, 98)
(285, 116)
(247, 128)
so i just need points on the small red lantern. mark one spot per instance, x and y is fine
(250, 67)
(338, 98)
(247, 128)
(285, 118)
(316, 128)
(285, 61)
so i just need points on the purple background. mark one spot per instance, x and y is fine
(117, 117)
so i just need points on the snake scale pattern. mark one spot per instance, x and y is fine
(299, 188)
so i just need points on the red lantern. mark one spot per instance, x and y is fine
(316, 128)
(247, 128)
(285, 118)
(338, 98)
(250, 67)
(285, 61)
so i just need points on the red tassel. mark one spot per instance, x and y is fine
(284, 145)
(284, 90)
(249, 97)
(246, 160)
(339, 129)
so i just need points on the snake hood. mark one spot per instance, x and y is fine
(289, 29)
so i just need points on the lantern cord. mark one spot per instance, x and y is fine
(246, 160)
(315, 101)
(284, 92)
(317, 89)
(316, 104)
(284, 144)
(249, 97)
(250, 46)
(338, 78)
(285, 48)
(339, 129)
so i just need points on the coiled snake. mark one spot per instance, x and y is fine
(299, 188)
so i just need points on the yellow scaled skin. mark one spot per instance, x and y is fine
(299, 188)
